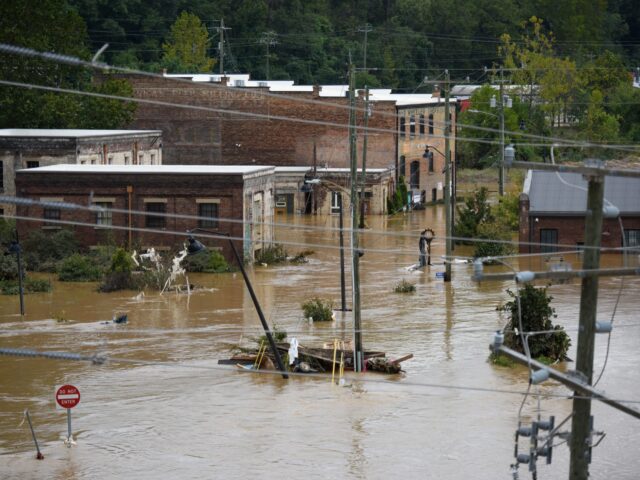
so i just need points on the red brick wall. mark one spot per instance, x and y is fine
(180, 192)
(205, 137)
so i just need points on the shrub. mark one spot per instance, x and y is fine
(271, 254)
(397, 202)
(493, 231)
(8, 267)
(12, 287)
(42, 250)
(405, 287)
(119, 275)
(277, 334)
(78, 268)
(536, 316)
(318, 310)
(476, 210)
(7, 231)
(121, 261)
(508, 211)
(211, 261)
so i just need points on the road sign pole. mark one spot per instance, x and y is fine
(69, 439)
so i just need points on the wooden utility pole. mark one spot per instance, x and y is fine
(221, 30)
(364, 157)
(501, 167)
(447, 179)
(580, 423)
(358, 357)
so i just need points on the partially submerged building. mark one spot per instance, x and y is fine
(553, 207)
(31, 148)
(143, 206)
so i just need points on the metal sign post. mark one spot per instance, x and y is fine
(68, 396)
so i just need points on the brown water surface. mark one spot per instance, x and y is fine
(180, 415)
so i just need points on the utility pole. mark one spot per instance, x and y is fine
(221, 30)
(501, 168)
(364, 155)
(580, 423)
(358, 357)
(447, 179)
(366, 28)
(268, 39)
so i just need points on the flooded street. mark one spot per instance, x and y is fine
(163, 408)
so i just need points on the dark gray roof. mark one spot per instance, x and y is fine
(566, 193)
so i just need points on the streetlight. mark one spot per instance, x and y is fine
(15, 248)
(196, 247)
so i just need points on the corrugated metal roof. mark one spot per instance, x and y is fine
(566, 193)
(148, 169)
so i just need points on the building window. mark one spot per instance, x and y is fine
(412, 126)
(110, 160)
(632, 239)
(431, 124)
(336, 202)
(157, 218)
(422, 124)
(403, 127)
(415, 175)
(1, 176)
(208, 213)
(141, 159)
(50, 215)
(33, 164)
(93, 161)
(434, 195)
(127, 160)
(431, 162)
(403, 166)
(104, 217)
(548, 240)
(153, 159)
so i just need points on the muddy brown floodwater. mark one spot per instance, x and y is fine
(180, 415)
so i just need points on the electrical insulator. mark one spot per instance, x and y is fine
(604, 327)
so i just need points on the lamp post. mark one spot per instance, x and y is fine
(448, 199)
(429, 235)
(195, 247)
(15, 248)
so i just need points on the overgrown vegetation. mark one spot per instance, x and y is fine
(302, 256)
(318, 309)
(10, 282)
(405, 287)
(79, 268)
(42, 250)
(119, 276)
(537, 314)
(398, 201)
(277, 334)
(210, 261)
(271, 254)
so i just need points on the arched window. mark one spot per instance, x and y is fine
(415, 175)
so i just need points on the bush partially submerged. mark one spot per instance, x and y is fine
(318, 309)
(31, 285)
(42, 250)
(271, 254)
(536, 316)
(405, 287)
(79, 268)
(210, 261)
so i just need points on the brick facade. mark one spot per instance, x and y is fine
(239, 197)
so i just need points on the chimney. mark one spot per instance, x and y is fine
(436, 91)
(316, 90)
(224, 81)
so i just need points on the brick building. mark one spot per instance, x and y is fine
(229, 199)
(245, 121)
(30, 148)
(552, 211)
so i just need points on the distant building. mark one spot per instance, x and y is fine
(553, 206)
(31, 148)
(153, 205)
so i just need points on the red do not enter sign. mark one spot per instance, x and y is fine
(68, 396)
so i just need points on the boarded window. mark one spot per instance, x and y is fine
(208, 213)
(104, 216)
(548, 240)
(156, 215)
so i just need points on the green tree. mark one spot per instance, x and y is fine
(476, 211)
(536, 312)
(187, 45)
